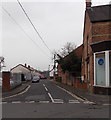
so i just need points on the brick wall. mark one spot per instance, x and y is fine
(78, 51)
(67, 77)
(87, 51)
(101, 31)
(6, 81)
(93, 32)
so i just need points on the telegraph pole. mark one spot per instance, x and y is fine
(54, 65)
(49, 71)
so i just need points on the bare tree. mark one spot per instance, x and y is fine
(66, 49)
(67, 59)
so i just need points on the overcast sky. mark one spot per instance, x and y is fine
(57, 21)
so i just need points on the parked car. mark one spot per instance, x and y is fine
(35, 79)
(42, 77)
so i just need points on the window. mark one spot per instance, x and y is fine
(102, 76)
(100, 69)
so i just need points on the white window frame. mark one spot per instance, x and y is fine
(107, 77)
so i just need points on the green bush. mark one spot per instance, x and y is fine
(71, 64)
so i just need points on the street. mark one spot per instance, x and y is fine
(47, 100)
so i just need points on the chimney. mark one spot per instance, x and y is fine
(25, 65)
(29, 66)
(88, 4)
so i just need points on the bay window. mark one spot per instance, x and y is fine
(102, 68)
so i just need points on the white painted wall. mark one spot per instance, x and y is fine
(22, 70)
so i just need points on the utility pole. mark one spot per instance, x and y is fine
(49, 71)
(54, 65)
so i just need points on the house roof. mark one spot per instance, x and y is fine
(20, 65)
(100, 13)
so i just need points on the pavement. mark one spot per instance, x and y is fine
(82, 93)
(16, 90)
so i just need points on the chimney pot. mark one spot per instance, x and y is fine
(88, 3)
(25, 65)
(29, 66)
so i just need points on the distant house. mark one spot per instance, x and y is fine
(23, 70)
(33, 71)
(96, 56)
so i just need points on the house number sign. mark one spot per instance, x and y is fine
(100, 61)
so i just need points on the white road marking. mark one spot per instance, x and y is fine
(43, 101)
(58, 101)
(46, 89)
(16, 102)
(18, 93)
(107, 104)
(73, 95)
(51, 97)
(88, 102)
(74, 101)
(3, 103)
(30, 102)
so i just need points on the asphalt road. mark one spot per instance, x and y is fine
(46, 100)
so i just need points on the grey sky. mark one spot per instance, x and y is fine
(58, 22)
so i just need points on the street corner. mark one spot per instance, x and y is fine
(15, 92)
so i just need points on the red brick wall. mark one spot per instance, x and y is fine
(79, 84)
(6, 81)
(78, 51)
(87, 51)
(67, 78)
(101, 31)
(93, 32)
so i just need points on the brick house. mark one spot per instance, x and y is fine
(96, 56)
(67, 77)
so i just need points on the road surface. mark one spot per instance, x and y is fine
(46, 100)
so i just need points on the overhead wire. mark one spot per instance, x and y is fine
(33, 26)
(22, 29)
